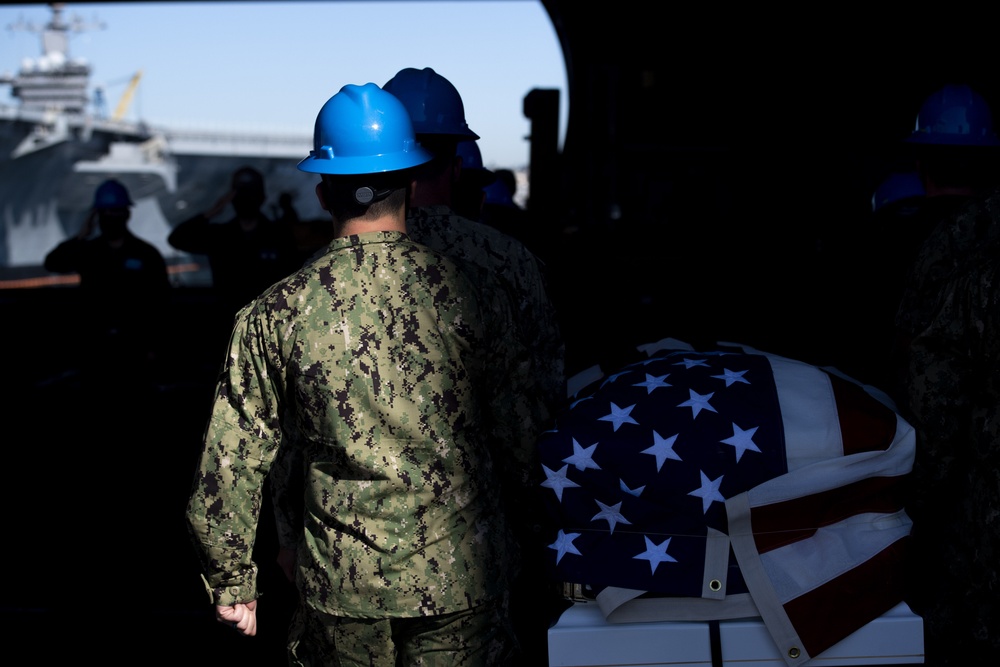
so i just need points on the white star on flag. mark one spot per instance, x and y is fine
(741, 441)
(708, 491)
(557, 481)
(697, 402)
(691, 363)
(652, 383)
(632, 492)
(655, 553)
(582, 458)
(662, 449)
(610, 513)
(564, 545)
(619, 416)
(732, 376)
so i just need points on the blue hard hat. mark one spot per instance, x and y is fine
(498, 194)
(896, 187)
(955, 115)
(248, 179)
(472, 163)
(472, 157)
(363, 130)
(434, 104)
(111, 194)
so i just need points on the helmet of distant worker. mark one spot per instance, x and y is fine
(955, 115)
(498, 194)
(472, 164)
(434, 104)
(363, 145)
(248, 192)
(897, 187)
(111, 194)
(112, 206)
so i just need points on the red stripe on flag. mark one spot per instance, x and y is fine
(824, 616)
(866, 425)
(780, 524)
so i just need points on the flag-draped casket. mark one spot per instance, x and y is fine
(731, 483)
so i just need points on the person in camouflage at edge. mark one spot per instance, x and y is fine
(953, 400)
(384, 372)
(438, 115)
(499, 265)
(956, 153)
(495, 258)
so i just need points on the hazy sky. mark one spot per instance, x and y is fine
(272, 65)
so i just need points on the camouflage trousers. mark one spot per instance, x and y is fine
(477, 637)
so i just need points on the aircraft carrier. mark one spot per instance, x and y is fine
(57, 145)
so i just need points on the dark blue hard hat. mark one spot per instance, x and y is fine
(955, 115)
(472, 163)
(111, 194)
(434, 104)
(896, 187)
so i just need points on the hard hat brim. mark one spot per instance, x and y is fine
(477, 177)
(430, 130)
(366, 164)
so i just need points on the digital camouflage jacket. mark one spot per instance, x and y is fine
(383, 372)
(953, 395)
(518, 271)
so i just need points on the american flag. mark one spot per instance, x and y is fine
(731, 474)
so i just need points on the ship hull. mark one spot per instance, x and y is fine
(47, 179)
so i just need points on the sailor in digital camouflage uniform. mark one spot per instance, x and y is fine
(953, 398)
(956, 153)
(438, 115)
(498, 262)
(383, 370)
(958, 236)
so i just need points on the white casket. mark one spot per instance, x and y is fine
(583, 638)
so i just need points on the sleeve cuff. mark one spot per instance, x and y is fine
(228, 596)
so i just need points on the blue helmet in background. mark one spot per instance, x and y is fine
(111, 194)
(472, 163)
(472, 157)
(434, 104)
(498, 194)
(897, 187)
(363, 130)
(955, 115)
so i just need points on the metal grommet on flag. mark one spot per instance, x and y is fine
(715, 585)
(794, 652)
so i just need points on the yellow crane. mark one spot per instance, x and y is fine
(126, 98)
